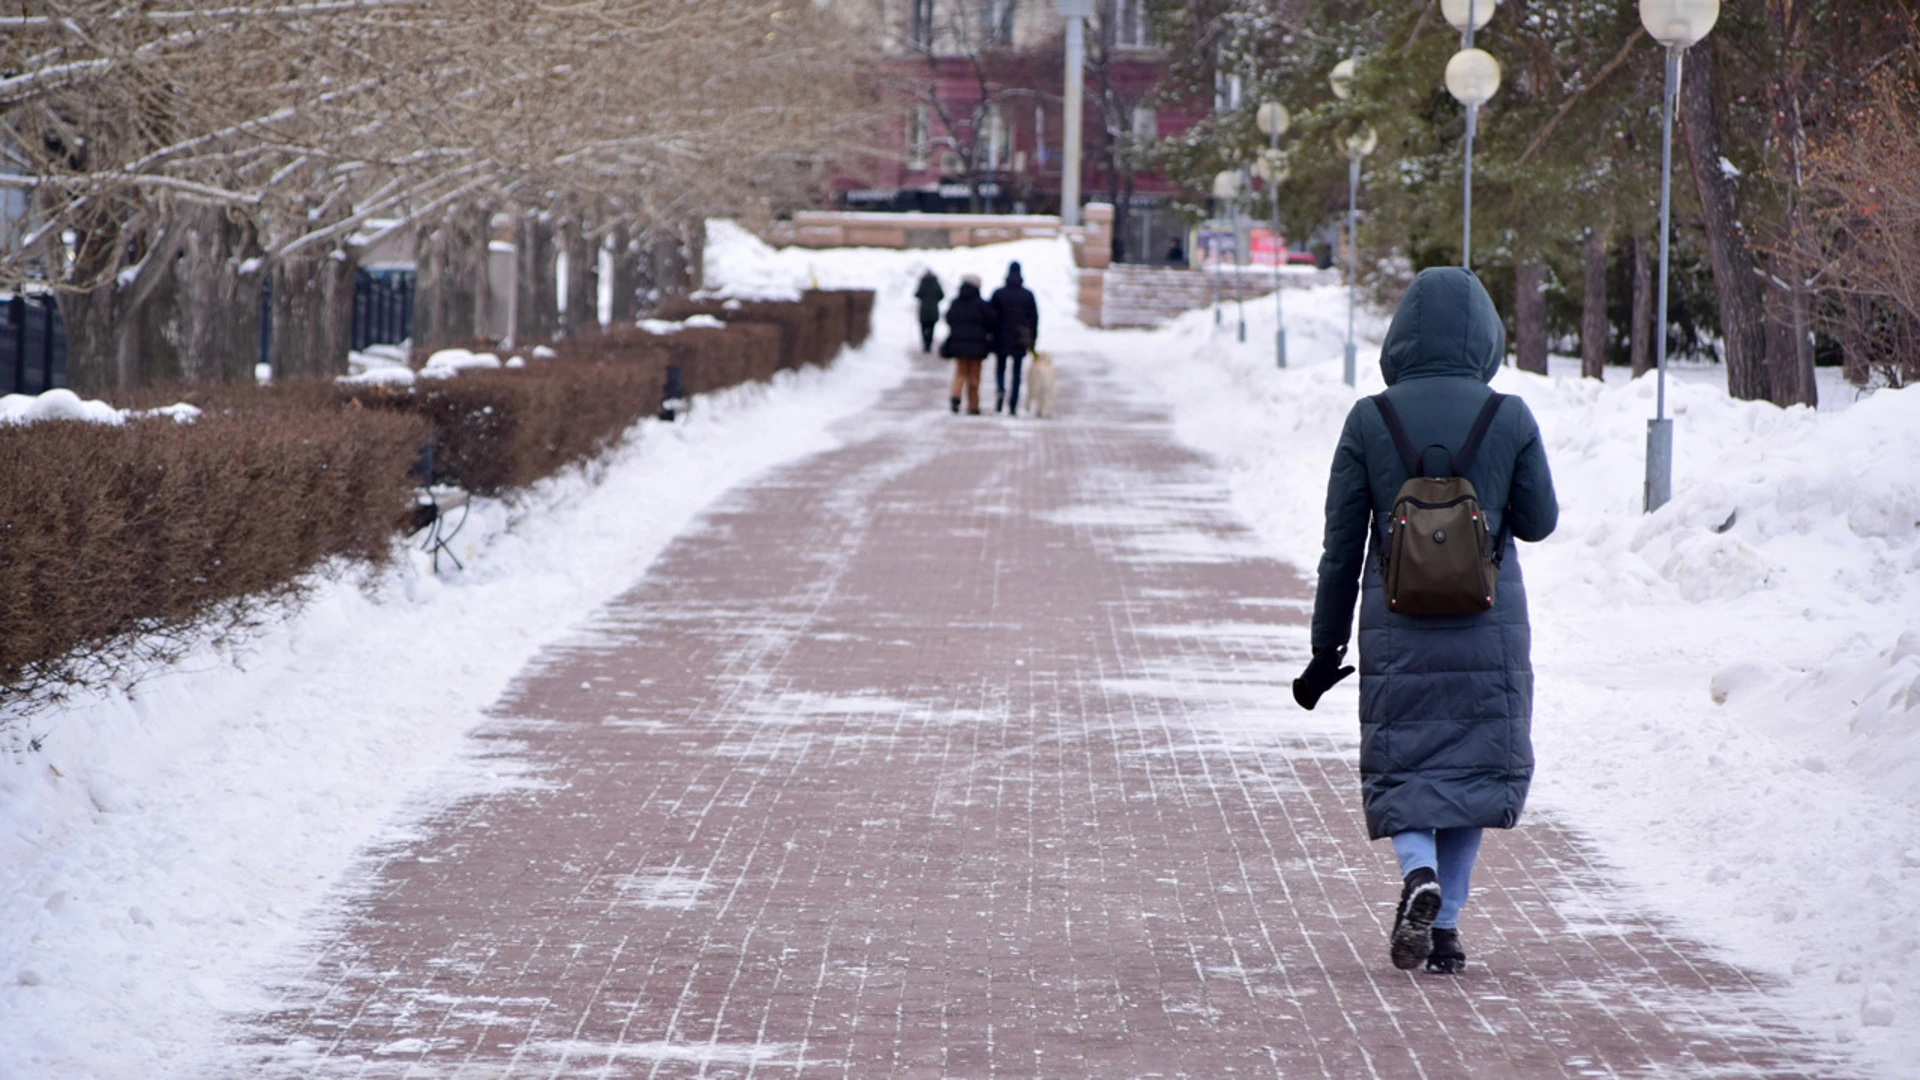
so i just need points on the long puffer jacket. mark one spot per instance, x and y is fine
(970, 325)
(1446, 702)
(1017, 315)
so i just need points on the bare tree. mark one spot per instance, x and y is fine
(307, 127)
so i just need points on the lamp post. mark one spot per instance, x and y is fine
(1675, 24)
(1274, 121)
(1358, 147)
(1473, 77)
(1076, 13)
(1226, 185)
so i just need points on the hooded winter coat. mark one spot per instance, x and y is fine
(1446, 702)
(929, 294)
(970, 325)
(1016, 310)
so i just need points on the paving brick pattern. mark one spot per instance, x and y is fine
(965, 751)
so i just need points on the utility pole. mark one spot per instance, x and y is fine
(1075, 12)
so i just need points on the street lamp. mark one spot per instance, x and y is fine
(1274, 121)
(1473, 77)
(1359, 145)
(1675, 24)
(1226, 185)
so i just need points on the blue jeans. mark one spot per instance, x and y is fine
(1000, 378)
(1450, 853)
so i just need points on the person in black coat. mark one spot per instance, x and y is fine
(970, 337)
(929, 294)
(1446, 701)
(1019, 328)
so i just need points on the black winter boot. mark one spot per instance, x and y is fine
(1412, 939)
(1447, 958)
(954, 403)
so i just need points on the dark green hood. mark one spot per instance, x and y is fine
(1446, 326)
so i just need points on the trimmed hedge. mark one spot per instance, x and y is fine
(121, 546)
(118, 544)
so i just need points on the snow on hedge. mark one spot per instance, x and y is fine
(64, 404)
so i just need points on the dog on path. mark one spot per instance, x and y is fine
(1040, 384)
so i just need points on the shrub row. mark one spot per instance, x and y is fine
(811, 331)
(118, 544)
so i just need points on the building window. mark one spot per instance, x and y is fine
(920, 23)
(919, 138)
(1146, 123)
(1133, 29)
(996, 146)
(996, 22)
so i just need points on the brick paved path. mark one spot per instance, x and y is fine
(965, 751)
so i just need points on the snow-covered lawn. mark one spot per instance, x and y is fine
(1733, 715)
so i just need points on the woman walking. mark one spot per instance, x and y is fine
(1446, 700)
(929, 293)
(970, 327)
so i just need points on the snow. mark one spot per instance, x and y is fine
(1731, 715)
(448, 362)
(64, 404)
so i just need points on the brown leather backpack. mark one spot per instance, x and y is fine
(1437, 560)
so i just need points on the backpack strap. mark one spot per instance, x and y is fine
(1471, 448)
(1399, 432)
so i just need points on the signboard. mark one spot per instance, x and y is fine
(1265, 247)
(1213, 247)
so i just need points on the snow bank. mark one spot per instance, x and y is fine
(741, 266)
(1728, 690)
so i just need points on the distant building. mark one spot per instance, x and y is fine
(974, 91)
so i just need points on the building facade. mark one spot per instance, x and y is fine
(973, 95)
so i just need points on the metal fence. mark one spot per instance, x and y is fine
(33, 345)
(33, 338)
(382, 310)
(382, 307)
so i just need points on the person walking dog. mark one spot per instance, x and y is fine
(929, 294)
(970, 329)
(1432, 482)
(1019, 328)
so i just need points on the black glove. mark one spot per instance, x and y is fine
(1321, 674)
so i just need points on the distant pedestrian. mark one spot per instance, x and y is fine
(930, 294)
(1019, 328)
(970, 327)
(1175, 254)
(1446, 700)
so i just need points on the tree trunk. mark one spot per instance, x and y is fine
(1530, 316)
(1593, 310)
(1639, 343)
(122, 333)
(583, 294)
(215, 323)
(1789, 350)
(450, 294)
(673, 273)
(626, 278)
(312, 315)
(537, 309)
(1743, 324)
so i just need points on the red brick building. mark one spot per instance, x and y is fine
(974, 92)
